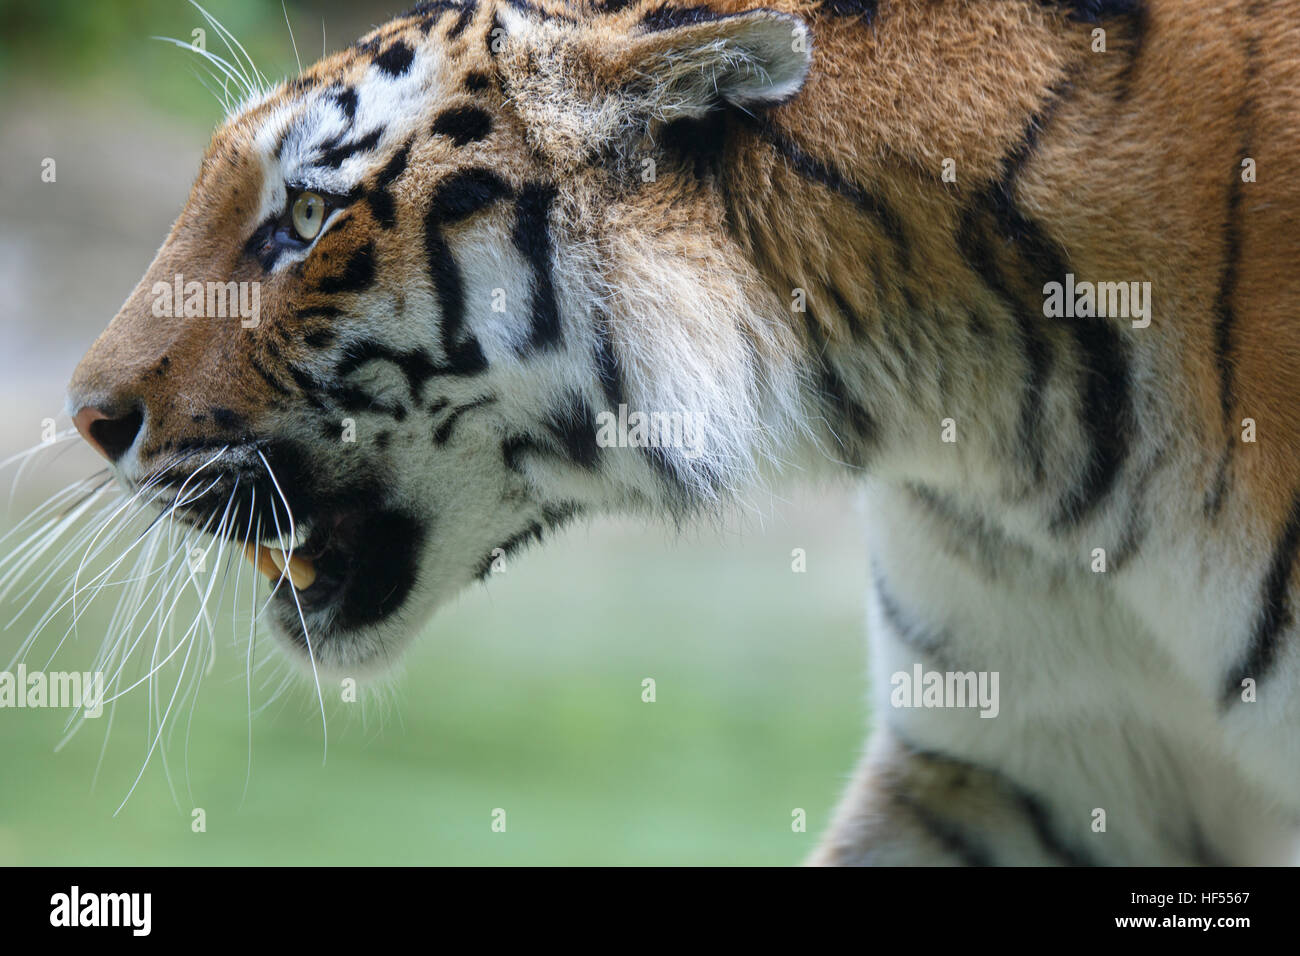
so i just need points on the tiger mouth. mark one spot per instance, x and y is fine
(349, 572)
(341, 557)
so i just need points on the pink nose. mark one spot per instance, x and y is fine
(111, 437)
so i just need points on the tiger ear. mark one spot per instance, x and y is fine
(694, 59)
(586, 89)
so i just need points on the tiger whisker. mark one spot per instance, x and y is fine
(180, 593)
(221, 64)
(294, 42)
(302, 619)
(257, 83)
(162, 719)
(72, 590)
(252, 636)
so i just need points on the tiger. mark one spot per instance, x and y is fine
(1020, 271)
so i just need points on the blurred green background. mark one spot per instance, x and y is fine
(524, 695)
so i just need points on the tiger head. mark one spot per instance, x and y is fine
(410, 287)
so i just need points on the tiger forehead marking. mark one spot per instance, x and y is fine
(524, 260)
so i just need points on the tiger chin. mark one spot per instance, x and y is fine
(824, 231)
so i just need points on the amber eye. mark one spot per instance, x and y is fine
(308, 215)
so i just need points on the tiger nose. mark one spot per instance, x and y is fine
(111, 437)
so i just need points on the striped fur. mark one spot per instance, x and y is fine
(739, 213)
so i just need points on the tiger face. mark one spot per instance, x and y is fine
(437, 242)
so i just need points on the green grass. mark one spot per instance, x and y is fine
(526, 696)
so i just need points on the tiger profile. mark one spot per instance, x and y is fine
(1025, 269)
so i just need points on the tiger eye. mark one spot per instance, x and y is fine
(308, 216)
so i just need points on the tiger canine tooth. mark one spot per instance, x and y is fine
(270, 561)
(301, 571)
(260, 558)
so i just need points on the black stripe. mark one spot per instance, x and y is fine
(415, 364)
(319, 339)
(968, 535)
(665, 17)
(462, 356)
(864, 10)
(358, 273)
(841, 407)
(513, 448)
(431, 9)
(1135, 529)
(1275, 614)
(464, 193)
(975, 241)
(1108, 416)
(525, 6)
(431, 13)
(349, 397)
(907, 629)
(1138, 25)
(1040, 820)
(838, 405)
(1035, 811)
(1225, 316)
(1224, 312)
(574, 427)
(301, 84)
(532, 237)
(947, 833)
(308, 385)
(1094, 11)
(442, 433)
(368, 47)
(1106, 408)
(396, 58)
(851, 318)
(333, 154)
(459, 196)
(557, 516)
(533, 533)
(1219, 489)
(462, 21)
(383, 207)
(464, 124)
(379, 198)
(394, 167)
(669, 472)
(346, 100)
(608, 368)
(266, 375)
(822, 172)
(317, 311)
